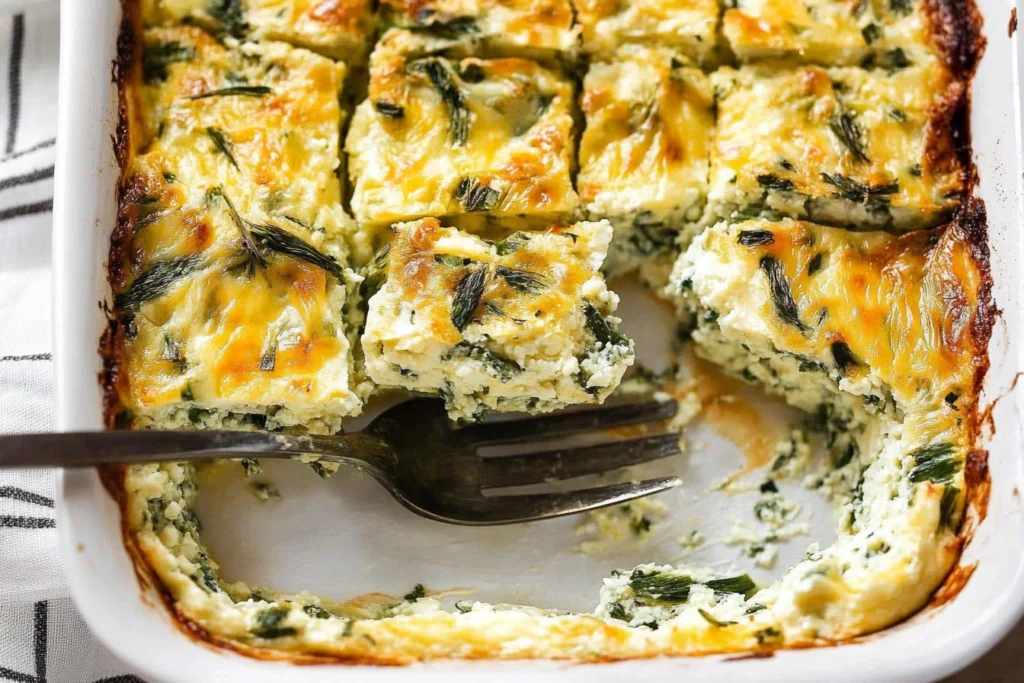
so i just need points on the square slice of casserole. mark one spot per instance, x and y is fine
(644, 153)
(229, 261)
(536, 29)
(213, 336)
(341, 29)
(481, 142)
(851, 147)
(519, 325)
(689, 26)
(828, 32)
(258, 122)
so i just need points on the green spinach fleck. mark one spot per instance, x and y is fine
(936, 463)
(416, 593)
(221, 142)
(156, 59)
(599, 327)
(450, 28)
(856, 191)
(316, 611)
(454, 99)
(849, 134)
(230, 14)
(269, 624)
(389, 110)
(947, 505)
(711, 620)
(843, 356)
(475, 197)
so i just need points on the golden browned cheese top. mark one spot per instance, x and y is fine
(914, 310)
(530, 277)
(812, 130)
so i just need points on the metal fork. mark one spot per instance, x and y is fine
(426, 464)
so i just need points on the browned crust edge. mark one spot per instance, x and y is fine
(971, 229)
(955, 27)
(125, 70)
(956, 31)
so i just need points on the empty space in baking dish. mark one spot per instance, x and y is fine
(346, 537)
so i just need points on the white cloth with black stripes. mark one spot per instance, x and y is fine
(42, 638)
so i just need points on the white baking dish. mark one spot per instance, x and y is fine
(362, 541)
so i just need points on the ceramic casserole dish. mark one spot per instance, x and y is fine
(346, 538)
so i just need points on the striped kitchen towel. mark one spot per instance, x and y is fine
(42, 637)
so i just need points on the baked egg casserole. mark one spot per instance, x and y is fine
(326, 203)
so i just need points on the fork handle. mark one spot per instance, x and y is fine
(89, 449)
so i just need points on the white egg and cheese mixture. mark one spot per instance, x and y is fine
(326, 200)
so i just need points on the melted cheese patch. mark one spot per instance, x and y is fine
(847, 146)
(518, 325)
(686, 25)
(474, 140)
(828, 32)
(336, 28)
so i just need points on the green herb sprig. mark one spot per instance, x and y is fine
(222, 144)
(268, 624)
(259, 240)
(156, 59)
(781, 292)
(599, 327)
(458, 112)
(936, 463)
(770, 181)
(280, 241)
(155, 281)
(675, 588)
(849, 133)
(475, 197)
(450, 28)
(230, 14)
(522, 280)
(468, 292)
(234, 91)
(855, 191)
(755, 238)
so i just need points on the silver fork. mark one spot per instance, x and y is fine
(427, 465)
